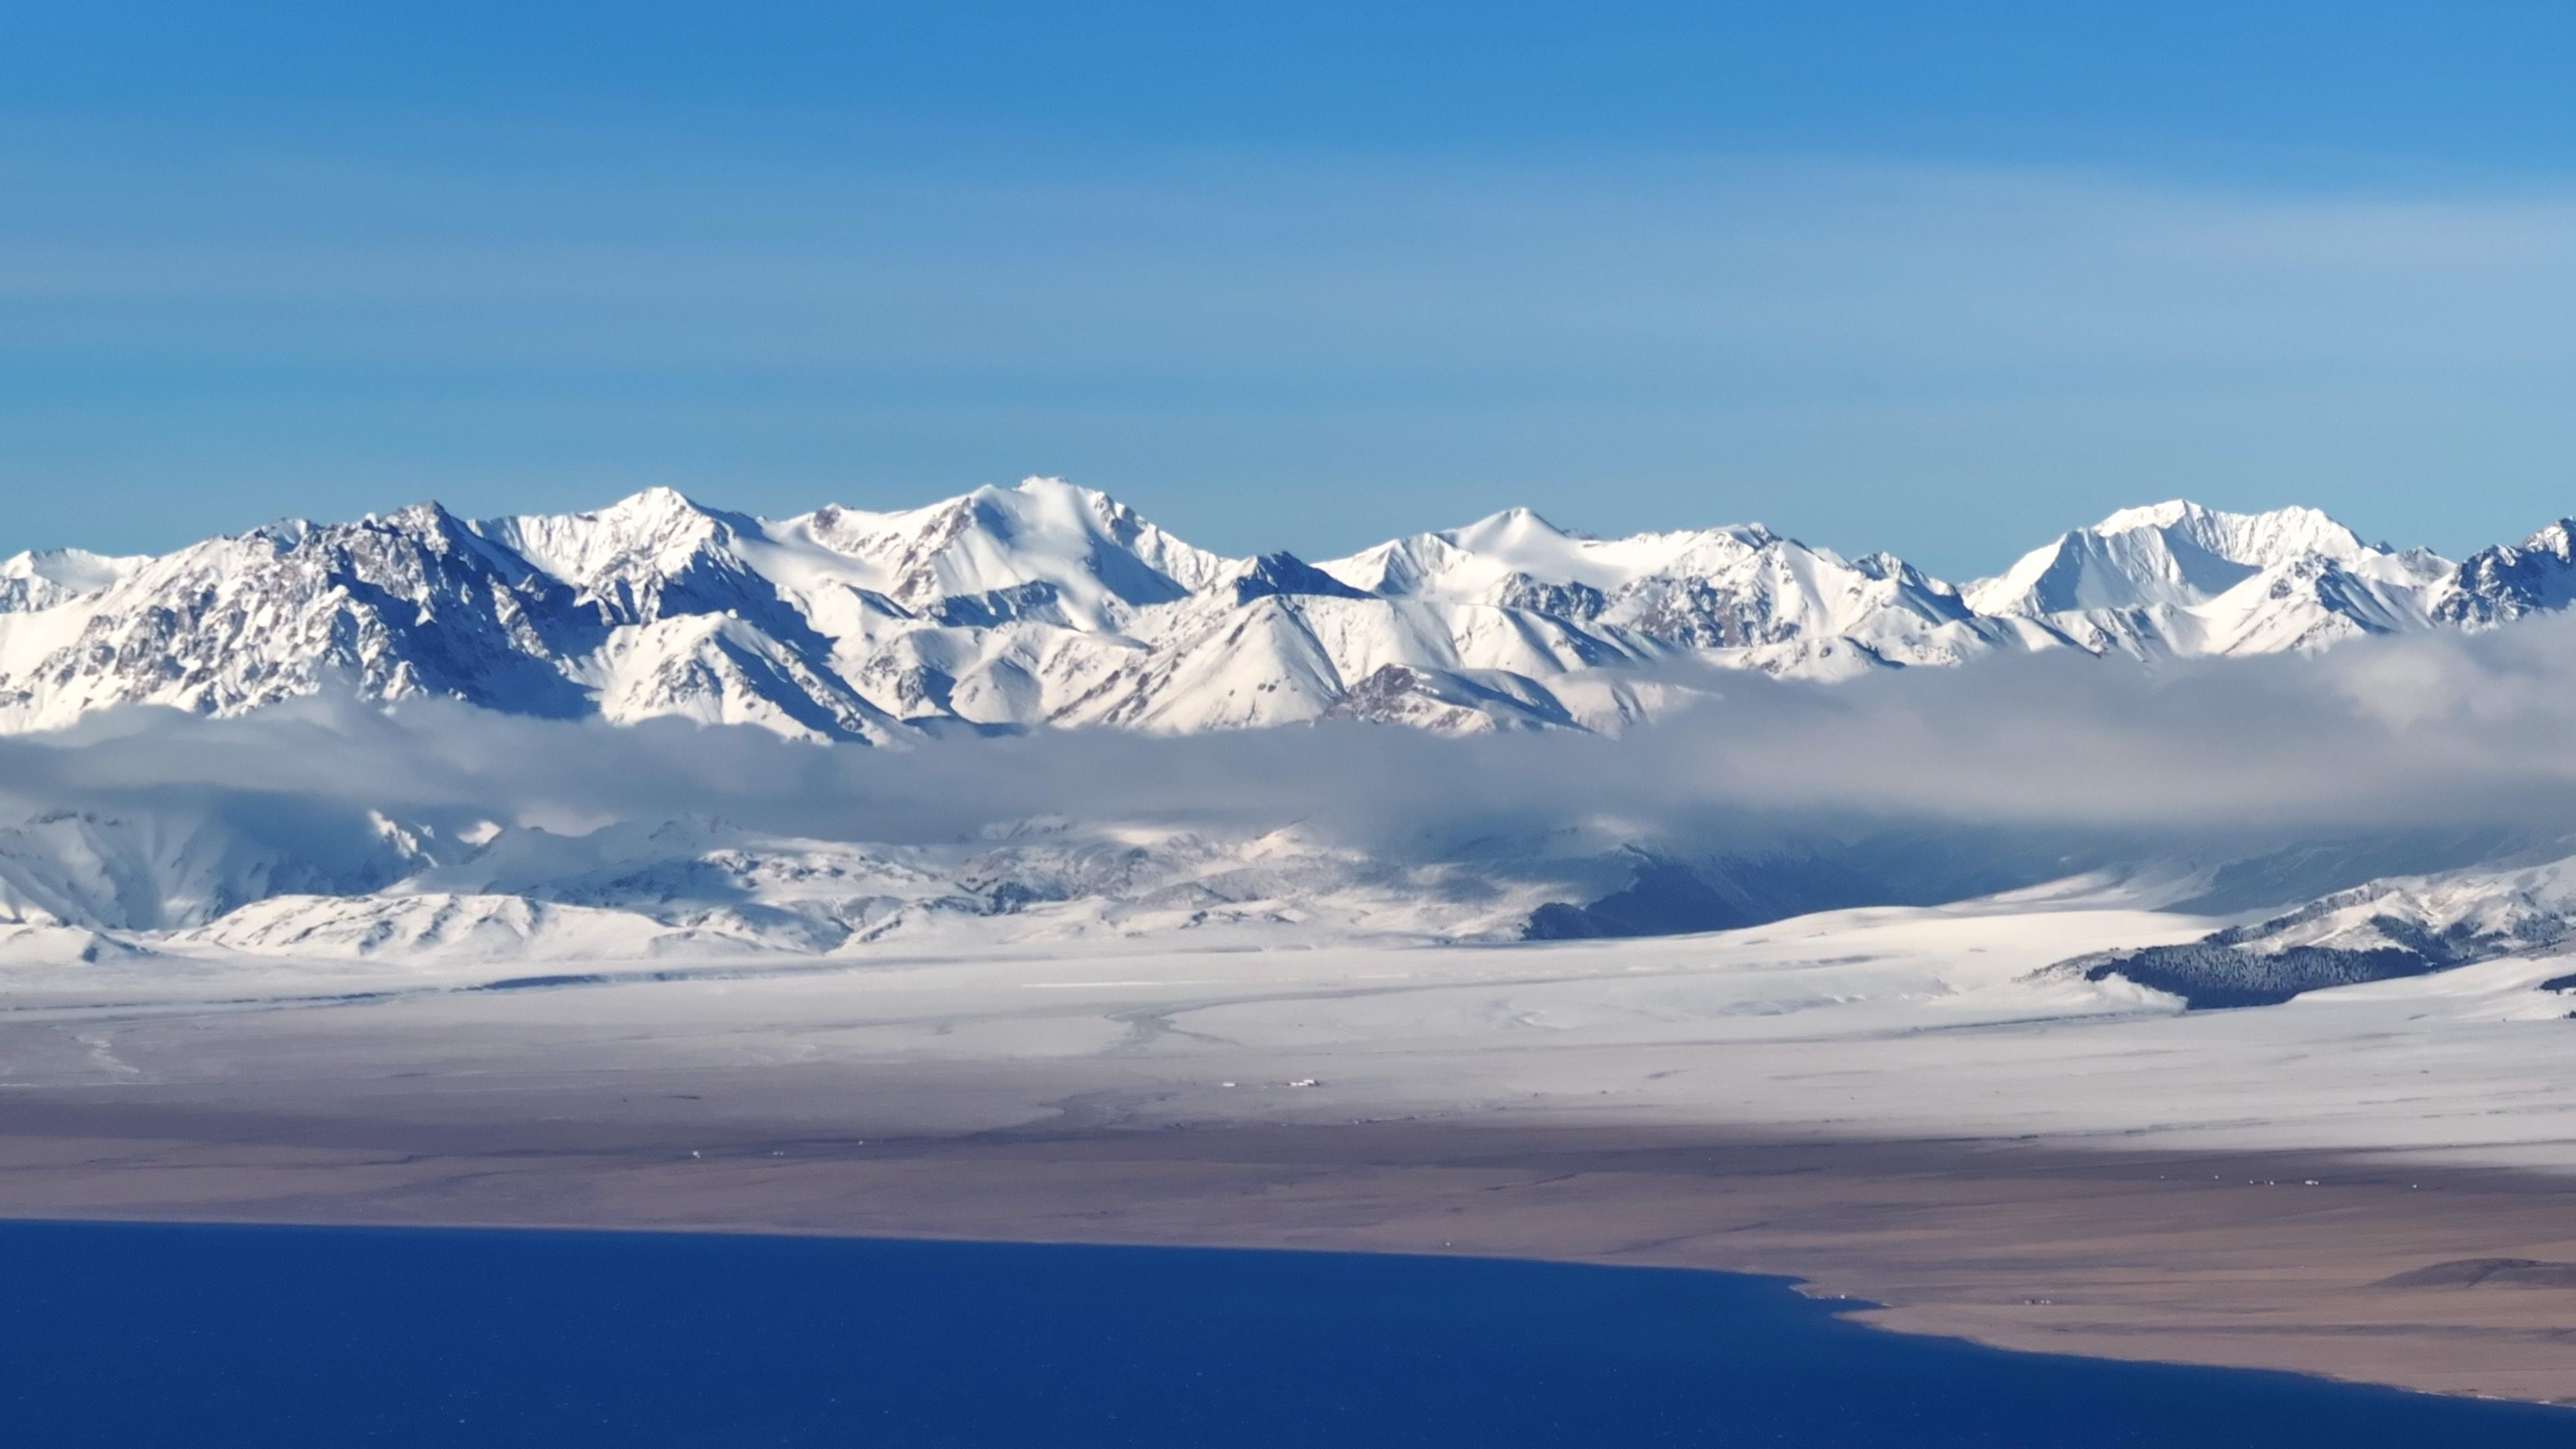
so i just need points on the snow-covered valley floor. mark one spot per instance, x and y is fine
(1936, 1022)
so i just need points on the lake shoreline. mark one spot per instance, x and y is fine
(253, 1333)
(2275, 1260)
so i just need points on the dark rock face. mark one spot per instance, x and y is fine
(1666, 896)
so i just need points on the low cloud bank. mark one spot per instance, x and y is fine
(2427, 732)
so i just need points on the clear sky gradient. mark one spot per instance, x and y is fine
(1941, 279)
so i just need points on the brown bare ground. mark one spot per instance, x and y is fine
(2215, 1259)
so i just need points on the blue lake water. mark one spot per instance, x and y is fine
(210, 1336)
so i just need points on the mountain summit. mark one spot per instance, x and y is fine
(2180, 579)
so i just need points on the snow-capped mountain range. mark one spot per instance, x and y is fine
(1053, 605)
(1047, 605)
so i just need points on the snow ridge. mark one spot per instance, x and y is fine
(1048, 604)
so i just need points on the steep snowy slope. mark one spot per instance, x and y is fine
(653, 607)
(2173, 554)
(1739, 596)
(164, 870)
(2179, 579)
(2402, 926)
(430, 928)
(1045, 546)
(1281, 658)
(74, 890)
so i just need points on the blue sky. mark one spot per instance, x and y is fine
(1935, 278)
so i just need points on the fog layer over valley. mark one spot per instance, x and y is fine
(329, 828)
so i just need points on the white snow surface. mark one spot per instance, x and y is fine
(2470, 913)
(1048, 604)
(1871, 1023)
(2179, 579)
(149, 895)
(41, 580)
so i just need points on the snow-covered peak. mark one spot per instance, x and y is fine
(1514, 529)
(1094, 553)
(1487, 560)
(76, 569)
(2558, 541)
(657, 531)
(2172, 555)
(42, 579)
(654, 513)
(2247, 538)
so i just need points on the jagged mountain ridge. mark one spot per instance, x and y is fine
(1052, 605)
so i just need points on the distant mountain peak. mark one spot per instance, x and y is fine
(657, 504)
(2558, 539)
(2175, 555)
(1285, 573)
(2251, 538)
(1502, 528)
(42, 578)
